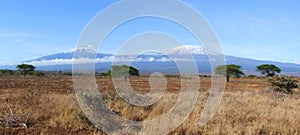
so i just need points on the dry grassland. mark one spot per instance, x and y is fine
(248, 107)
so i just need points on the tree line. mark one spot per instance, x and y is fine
(23, 69)
(279, 83)
(233, 70)
(228, 71)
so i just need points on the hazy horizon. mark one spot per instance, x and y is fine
(262, 30)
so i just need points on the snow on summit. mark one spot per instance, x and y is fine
(187, 50)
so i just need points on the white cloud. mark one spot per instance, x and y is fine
(65, 61)
(101, 60)
(296, 61)
(19, 40)
(151, 59)
(164, 59)
(70, 61)
(15, 34)
(1, 63)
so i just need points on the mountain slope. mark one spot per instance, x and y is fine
(148, 63)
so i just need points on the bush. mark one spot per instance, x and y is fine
(123, 70)
(284, 84)
(38, 73)
(6, 72)
(103, 74)
(205, 76)
(252, 76)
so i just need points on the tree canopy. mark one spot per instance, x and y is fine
(228, 71)
(123, 70)
(25, 69)
(268, 69)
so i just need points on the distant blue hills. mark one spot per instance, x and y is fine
(149, 63)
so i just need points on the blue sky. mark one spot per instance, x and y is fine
(259, 29)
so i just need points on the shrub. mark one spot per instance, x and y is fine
(252, 76)
(284, 84)
(123, 70)
(6, 72)
(38, 73)
(205, 76)
(103, 74)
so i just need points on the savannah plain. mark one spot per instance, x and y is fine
(47, 105)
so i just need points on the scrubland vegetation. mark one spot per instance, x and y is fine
(47, 105)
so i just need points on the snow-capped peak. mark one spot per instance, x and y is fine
(87, 49)
(187, 50)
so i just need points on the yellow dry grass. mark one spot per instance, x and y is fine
(248, 107)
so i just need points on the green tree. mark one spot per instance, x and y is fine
(25, 69)
(268, 69)
(228, 71)
(123, 70)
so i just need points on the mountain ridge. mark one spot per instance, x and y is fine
(63, 61)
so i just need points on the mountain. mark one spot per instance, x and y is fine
(187, 49)
(165, 62)
(85, 52)
(249, 65)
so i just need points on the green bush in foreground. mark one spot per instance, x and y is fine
(284, 84)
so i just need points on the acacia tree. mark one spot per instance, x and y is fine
(123, 70)
(228, 71)
(268, 69)
(25, 69)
